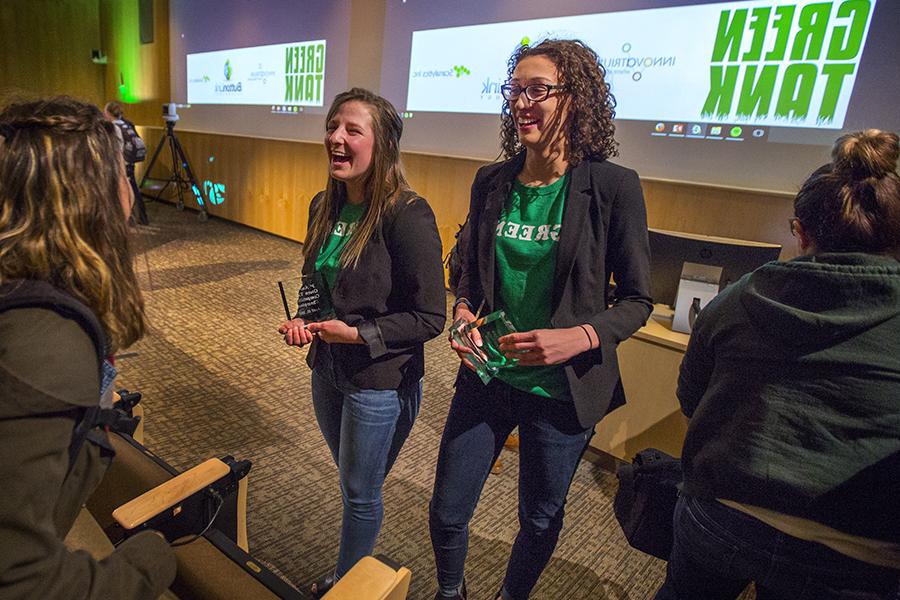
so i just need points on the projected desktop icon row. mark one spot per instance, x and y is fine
(708, 131)
(286, 110)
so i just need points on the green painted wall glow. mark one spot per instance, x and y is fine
(126, 49)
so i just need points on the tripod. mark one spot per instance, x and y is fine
(182, 176)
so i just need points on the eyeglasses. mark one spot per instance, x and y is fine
(536, 92)
(794, 223)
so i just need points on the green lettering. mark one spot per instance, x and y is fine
(298, 88)
(759, 20)
(296, 63)
(728, 36)
(310, 90)
(310, 60)
(796, 91)
(845, 44)
(756, 94)
(319, 78)
(320, 58)
(784, 16)
(287, 60)
(721, 90)
(288, 89)
(835, 75)
(812, 23)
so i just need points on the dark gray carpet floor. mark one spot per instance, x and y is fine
(217, 379)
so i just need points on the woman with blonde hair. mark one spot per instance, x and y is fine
(68, 299)
(792, 384)
(375, 243)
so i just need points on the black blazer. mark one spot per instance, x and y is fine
(395, 297)
(604, 233)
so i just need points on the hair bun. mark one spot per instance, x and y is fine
(865, 154)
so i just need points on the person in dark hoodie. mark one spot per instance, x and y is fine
(792, 384)
(68, 299)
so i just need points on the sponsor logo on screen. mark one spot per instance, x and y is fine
(291, 74)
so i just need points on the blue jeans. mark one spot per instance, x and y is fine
(364, 430)
(718, 551)
(551, 443)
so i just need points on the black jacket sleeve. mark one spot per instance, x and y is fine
(628, 259)
(417, 275)
(696, 366)
(469, 285)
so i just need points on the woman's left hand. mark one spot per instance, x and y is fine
(335, 331)
(545, 346)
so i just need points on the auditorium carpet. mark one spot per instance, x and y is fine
(217, 379)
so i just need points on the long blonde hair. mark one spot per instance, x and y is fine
(383, 183)
(61, 220)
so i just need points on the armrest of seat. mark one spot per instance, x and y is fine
(168, 494)
(372, 579)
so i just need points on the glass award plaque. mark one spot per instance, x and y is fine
(487, 358)
(313, 298)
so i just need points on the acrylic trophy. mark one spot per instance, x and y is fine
(486, 358)
(313, 298)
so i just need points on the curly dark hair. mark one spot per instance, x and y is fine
(590, 129)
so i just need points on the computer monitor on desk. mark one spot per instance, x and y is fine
(669, 250)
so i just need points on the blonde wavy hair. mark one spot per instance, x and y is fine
(383, 183)
(61, 220)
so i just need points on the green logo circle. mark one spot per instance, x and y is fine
(736, 131)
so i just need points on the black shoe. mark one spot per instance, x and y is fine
(322, 585)
(460, 595)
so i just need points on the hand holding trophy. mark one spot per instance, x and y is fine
(477, 342)
(313, 306)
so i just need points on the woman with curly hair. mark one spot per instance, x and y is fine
(549, 226)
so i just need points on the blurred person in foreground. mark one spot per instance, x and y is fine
(68, 299)
(792, 384)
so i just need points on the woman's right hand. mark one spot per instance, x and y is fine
(462, 312)
(295, 333)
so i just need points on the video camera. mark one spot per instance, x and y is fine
(170, 112)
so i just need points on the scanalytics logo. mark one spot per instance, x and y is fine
(227, 70)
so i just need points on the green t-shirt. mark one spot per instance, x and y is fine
(527, 239)
(329, 259)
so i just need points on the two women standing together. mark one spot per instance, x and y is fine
(376, 244)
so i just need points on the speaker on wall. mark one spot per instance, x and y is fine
(145, 20)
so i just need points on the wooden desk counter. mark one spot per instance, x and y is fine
(652, 417)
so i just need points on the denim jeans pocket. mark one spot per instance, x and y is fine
(707, 537)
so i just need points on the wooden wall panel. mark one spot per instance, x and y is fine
(269, 184)
(45, 49)
(710, 210)
(445, 183)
